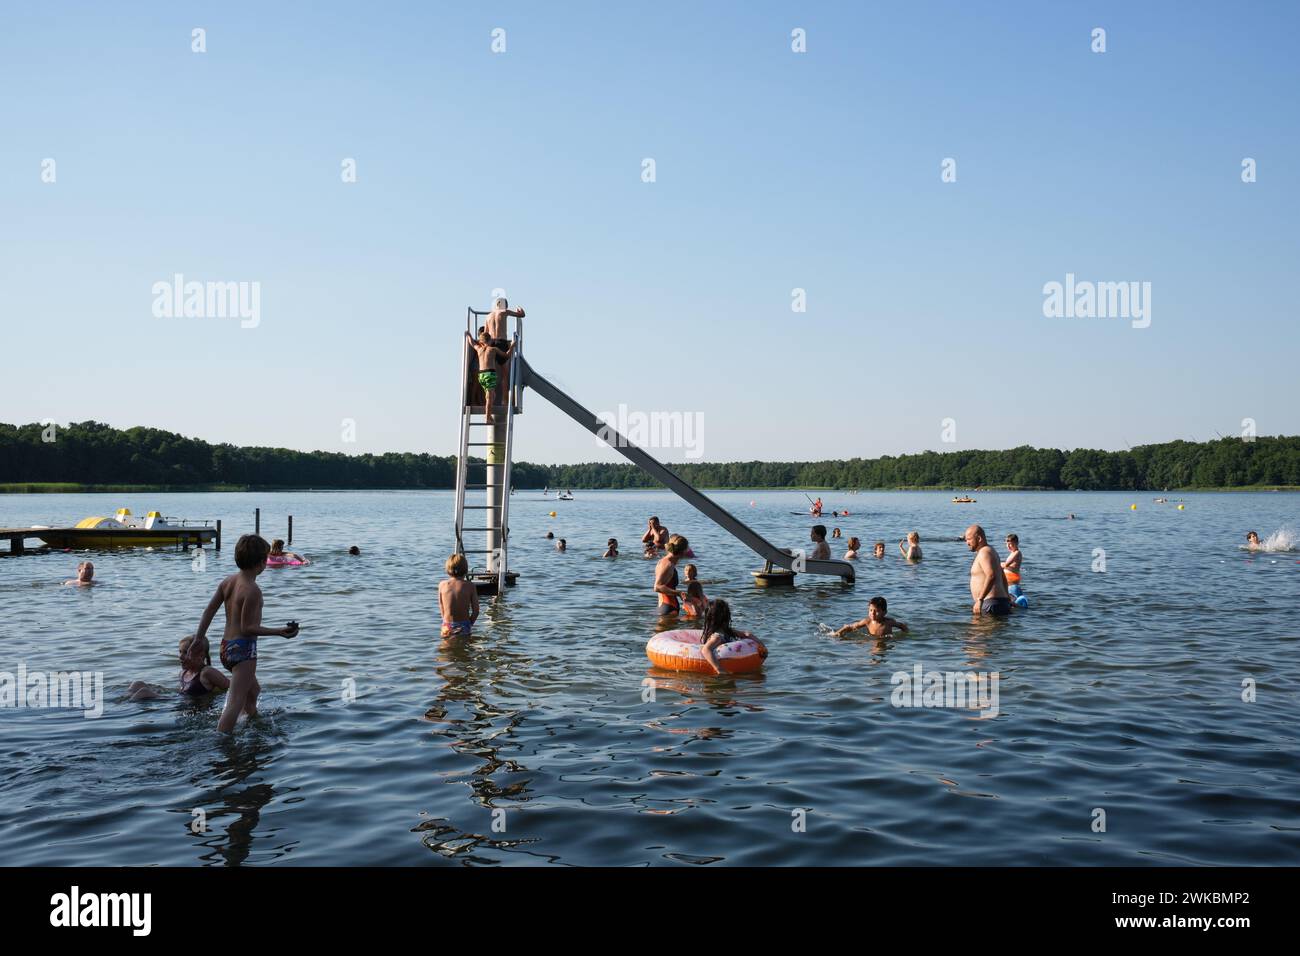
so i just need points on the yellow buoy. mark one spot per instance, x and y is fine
(1132, 507)
(552, 514)
(1180, 507)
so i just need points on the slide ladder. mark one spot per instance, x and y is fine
(484, 463)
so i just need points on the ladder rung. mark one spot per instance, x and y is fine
(479, 550)
(479, 508)
(480, 529)
(480, 487)
(483, 444)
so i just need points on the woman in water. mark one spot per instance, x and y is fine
(670, 599)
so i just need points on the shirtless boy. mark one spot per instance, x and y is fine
(496, 322)
(488, 356)
(911, 547)
(876, 623)
(821, 551)
(242, 599)
(988, 585)
(457, 599)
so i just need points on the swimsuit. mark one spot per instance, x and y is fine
(669, 604)
(488, 380)
(1012, 577)
(456, 628)
(996, 606)
(194, 686)
(236, 650)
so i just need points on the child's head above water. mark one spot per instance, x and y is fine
(612, 543)
(251, 551)
(1252, 537)
(876, 608)
(879, 548)
(854, 544)
(819, 532)
(86, 570)
(717, 618)
(457, 566)
(913, 538)
(691, 572)
(277, 546)
(1013, 542)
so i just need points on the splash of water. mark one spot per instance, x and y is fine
(1283, 539)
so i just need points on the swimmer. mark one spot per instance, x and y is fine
(650, 552)
(1011, 566)
(878, 549)
(852, 553)
(1252, 541)
(279, 556)
(198, 677)
(816, 509)
(561, 545)
(836, 533)
(354, 551)
(86, 575)
(670, 599)
(821, 551)
(488, 357)
(718, 631)
(550, 536)
(876, 623)
(457, 599)
(611, 548)
(242, 600)
(656, 534)
(911, 547)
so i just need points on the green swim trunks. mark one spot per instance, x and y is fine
(488, 380)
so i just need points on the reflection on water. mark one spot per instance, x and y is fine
(548, 737)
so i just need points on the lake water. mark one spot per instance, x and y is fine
(1119, 692)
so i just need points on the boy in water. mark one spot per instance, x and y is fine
(86, 574)
(457, 599)
(611, 549)
(488, 356)
(821, 551)
(1252, 541)
(878, 549)
(242, 599)
(1011, 566)
(911, 548)
(876, 623)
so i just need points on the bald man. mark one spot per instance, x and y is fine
(988, 585)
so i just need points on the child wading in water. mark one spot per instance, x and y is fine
(611, 548)
(1011, 566)
(488, 355)
(878, 549)
(696, 603)
(852, 553)
(911, 548)
(718, 631)
(242, 599)
(876, 623)
(457, 599)
(821, 551)
(198, 677)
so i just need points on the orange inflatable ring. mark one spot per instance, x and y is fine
(680, 651)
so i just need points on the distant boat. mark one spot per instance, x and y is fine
(964, 500)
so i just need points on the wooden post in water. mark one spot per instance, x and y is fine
(291, 529)
(257, 521)
(218, 534)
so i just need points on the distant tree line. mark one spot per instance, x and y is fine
(94, 453)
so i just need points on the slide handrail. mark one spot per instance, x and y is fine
(661, 472)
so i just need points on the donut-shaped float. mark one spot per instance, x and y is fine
(275, 561)
(680, 651)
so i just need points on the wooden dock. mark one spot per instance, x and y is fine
(60, 538)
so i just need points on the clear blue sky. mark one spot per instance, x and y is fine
(775, 170)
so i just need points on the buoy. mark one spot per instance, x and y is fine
(552, 514)
(751, 504)
(1132, 507)
(1180, 507)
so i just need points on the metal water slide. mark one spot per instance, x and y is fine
(662, 473)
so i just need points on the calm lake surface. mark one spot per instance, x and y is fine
(1118, 691)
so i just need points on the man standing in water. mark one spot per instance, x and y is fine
(988, 585)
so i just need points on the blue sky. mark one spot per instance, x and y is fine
(774, 171)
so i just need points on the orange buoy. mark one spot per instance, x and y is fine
(680, 651)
